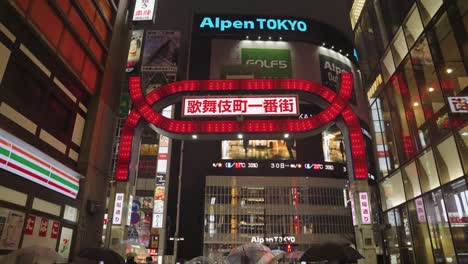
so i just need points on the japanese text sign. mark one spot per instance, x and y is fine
(28, 229)
(458, 104)
(144, 10)
(365, 208)
(118, 207)
(240, 105)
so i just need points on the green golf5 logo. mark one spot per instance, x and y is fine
(274, 63)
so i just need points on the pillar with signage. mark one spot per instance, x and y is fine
(362, 221)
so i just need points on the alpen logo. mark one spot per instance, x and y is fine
(273, 63)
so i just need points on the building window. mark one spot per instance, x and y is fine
(413, 27)
(422, 245)
(414, 109)
(393, 12)
(392, 192)
(428, 172)
(462, 141)
(447, 58)
(405, 243)
(439, 230)
(388, 66)
(428, 8)
(396, 90)
(448, 161)
(411, 180)
(399, 47)
(456, 199)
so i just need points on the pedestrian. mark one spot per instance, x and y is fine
(149, 260)
(131, 260)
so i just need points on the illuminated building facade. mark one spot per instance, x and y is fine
(414, 59)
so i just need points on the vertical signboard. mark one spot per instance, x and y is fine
(118, 206)
(159, 62)
(274, 63)
(144, 10)
(134, 50)
(420, 210)
(331, 69)
(365, 211)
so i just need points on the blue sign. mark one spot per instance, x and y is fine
(272, 24)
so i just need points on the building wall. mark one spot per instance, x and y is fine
(414, 56)
(57, 96)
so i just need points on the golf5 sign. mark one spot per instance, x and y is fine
(270, 24)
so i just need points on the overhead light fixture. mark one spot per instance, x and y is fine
(340, 50)
(259, 37)
(240, 136)
(286, 135)
(347, 54)
(332, 47)
(431, 89)
(280, 38)
(416, 104)
(194, 136)
(323, 43)
(246, 37)
(449, 70)
(269, 37)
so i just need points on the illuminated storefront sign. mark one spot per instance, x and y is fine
(271, 24)
(275, 239)
(118, 206)
(144, 10)
(458, 104)
(240, 105)
(22, 159)
(365, 211)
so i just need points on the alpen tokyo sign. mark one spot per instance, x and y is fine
(271, 24)
(240, 105)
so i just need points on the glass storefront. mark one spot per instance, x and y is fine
(421, 144)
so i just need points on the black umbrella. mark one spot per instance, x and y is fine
(331, 251)
(102, 254)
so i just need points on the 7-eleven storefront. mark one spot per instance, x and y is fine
(38, 194)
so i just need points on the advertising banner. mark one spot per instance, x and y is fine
(11, 224)
(140, 224)
(134, 50)
(159, 63)
(274, 63)
(42, 232)
(144, 10)
(65, 242)
(331, 70)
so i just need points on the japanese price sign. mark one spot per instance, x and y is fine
(240, 105)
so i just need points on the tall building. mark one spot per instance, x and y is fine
(413, 56)
(57, 107)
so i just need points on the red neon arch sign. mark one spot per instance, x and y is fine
(184, 129)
